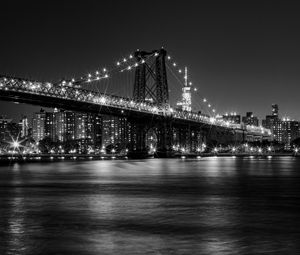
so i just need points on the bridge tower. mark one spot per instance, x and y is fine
(151, 84)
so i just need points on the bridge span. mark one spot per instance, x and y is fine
(194, 128)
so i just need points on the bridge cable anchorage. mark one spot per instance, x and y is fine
(176, 67)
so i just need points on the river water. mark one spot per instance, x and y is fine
(155, 206)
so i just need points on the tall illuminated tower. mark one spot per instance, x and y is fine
(186, 100)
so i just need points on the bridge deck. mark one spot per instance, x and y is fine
(78, 99)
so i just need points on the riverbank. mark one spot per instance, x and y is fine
(4, 159)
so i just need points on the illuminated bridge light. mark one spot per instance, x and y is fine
(102, 100)
(212, 120)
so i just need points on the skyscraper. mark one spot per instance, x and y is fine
(275, 110)
(186, 97)
(290, 131)
(4, 128)
(38, 125)
(115, 131)
(50, 127)
(88, 131)
(24, 126)
(284, 130)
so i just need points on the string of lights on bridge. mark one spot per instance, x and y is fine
(82, 95)
(127, 63)
(179, 70)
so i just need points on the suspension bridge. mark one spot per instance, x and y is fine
(148, 108)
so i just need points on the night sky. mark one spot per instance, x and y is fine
(242, 56)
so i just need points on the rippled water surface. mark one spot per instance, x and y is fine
(156, 206)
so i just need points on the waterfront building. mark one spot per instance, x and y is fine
(4, 122)
(60, 125)
(232, 118)
(38, 125)
(88, 131)
(274, 123)
(284, 130)
(50, 127)
(250, 120)
(24, 126)
(290, 131)
(115, 131)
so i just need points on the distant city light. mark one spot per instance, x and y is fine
(16, 144)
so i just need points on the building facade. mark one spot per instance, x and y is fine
(284, 130)
(250, 120)
(38, 125)
(232, 118)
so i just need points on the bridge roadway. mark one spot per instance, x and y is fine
(77, 99)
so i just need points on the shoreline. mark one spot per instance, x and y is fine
(82, 157)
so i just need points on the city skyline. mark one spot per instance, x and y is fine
(88, 130)
(240, 67)
(149, 127)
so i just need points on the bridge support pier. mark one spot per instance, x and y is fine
(164, 139)
(137, 148)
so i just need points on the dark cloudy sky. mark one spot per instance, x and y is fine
(242, 55)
